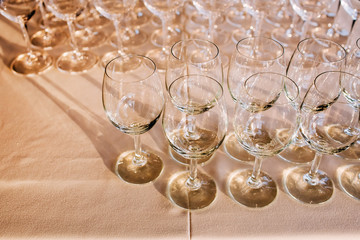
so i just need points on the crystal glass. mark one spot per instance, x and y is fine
(115, 10)
(133, 101)
(48, 37)
(31, 62)
(267, 106)
(77, 60)
(252, 55)
(330, 124)
(311, 57)
(165, 10)
(193, 56)
(241, 20)
(201, 97)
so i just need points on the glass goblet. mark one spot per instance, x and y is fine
(77, 60)
(330, 124)
(31, 62)
(133, 102)
(267, 107)
(252, 55)
(202, 98)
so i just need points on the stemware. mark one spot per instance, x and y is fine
(311, 57)
(202, 98)
(77, 60)
(252, 55)
(48, 37)
(241, 20)
(133, 102)
(267, 107)
(192, 56)
(165, 10)
(31, 62)
(330, 124)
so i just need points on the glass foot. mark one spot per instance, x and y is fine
(76, 62)
(131, 173)
(87, 38)
(349, 180)
(312, 191)
(287, 37)
(127, 64)
(159, 57)
(181, 195)
(48, 39)
(257, 196)
(130, 39)
(219, 37)
(31, 63)
(234, 150)
(175, 34)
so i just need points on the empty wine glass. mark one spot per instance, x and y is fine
(311, 57)
(133, 102)
(330, 124)
(252, 55)
(77, 60)
(165, 10)
(242, 20)
(202, 98)
(48, 37)
(31, 62)
(188, 57)
(267, 107)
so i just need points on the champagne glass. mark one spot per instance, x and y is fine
(201, 97)
(330, 124)
(165, 10)
(115, 10)
(252, 55)
(188, 57)
(48, 37)
(267, 107)
(31, 62)
(311, 57)
(77, 60)
(133, 102)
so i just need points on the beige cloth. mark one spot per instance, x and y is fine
(57, 151)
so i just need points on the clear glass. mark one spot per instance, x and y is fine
(330, 124)
(252, 55)
(201, 98)
(310, 58)
(31, 62)
(193, 56)
(133, 101)
(267, 107)
(77, 60)
(241, 20)
(165, 10)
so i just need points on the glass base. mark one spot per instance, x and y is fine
(181, 195)
(31, 63)
(174, 35)
(159, 57)
(239, 18)
(349, 180)
(76, 62)
(130, 39)
(312, 191)
(243, 192)
(329, 33)
(287, 37)
(233, 148)
(129, 64)
(220, 37)
(177, 157)
(87, 38)
(48, 39)
(297, 154)
(131, 173)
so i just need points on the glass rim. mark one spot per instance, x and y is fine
(131, 56)
(261, 37)
(358, 43)
(195, 39)
(340, 81)
(324, 40)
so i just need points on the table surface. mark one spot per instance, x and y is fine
(57, 180)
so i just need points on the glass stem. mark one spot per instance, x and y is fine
(254, 180)
(138, 159)
(305, 29)
(43, 16)
(193, 182)
(70, 23)
(25, 35)
(212, 20)
(118, 30)
(311, 176)
(165, 32)
(259, 23)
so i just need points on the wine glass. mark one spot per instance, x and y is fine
(267, 106)
(311, 57)
(330, 124)
(31, 62)
(77, 60)
(115, 10)
(252, 55)
(202, 98)
(241, 20)
(165, 10)
(48, 37)
(188, 57)
(133, 102)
